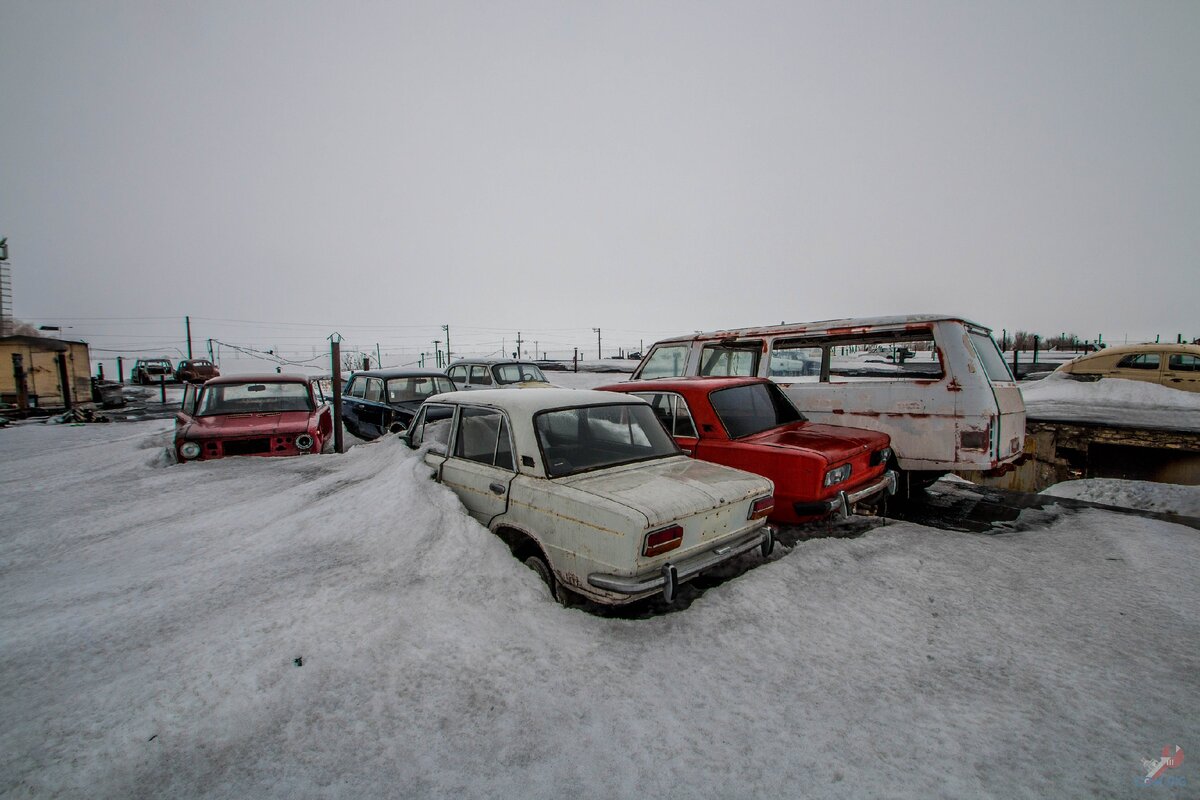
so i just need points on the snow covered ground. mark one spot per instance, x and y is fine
(1112, 401)
(1165, 497)
(337, 626)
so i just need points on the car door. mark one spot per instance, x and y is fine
(1139, 367)
(351, 403)
(1183, 372)
(481, 378)
(458, 374)
(431, 429)
(480, 467)
(673, 412)
(371, 408)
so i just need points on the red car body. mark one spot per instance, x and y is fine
(750, 424)
(253, 415)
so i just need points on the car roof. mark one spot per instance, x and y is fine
(698, 383)
(530, 401)
(265, 377)
(399, 372)
(851, 325)
(491, 362)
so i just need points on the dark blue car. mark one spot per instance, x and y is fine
(378, 401)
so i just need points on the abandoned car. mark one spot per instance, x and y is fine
(749, 423)
(588, 490)
(936, 384)
(1176, 366)
(379, 401)
(253, 415)
(496, 374)
(152, 370)
(196, 370)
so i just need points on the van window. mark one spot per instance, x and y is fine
(666, 362)
(1184, 363)
(799, 362)
(990, 357)
(738, 359)
(1139, 361)
(900, 356)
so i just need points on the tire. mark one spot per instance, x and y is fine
(913, 485)
(537, 563)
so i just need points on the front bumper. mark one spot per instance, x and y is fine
(841, 504)
(672, 573)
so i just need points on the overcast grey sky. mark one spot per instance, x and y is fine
(645, 167)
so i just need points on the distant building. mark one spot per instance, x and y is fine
(33, 362)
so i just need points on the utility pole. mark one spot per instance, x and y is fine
(188, 322)
(210, 352)
(575, 359)
(518, 344)
(446, 328)
(437, 351)
(335, 357)
(599, 354)
(378, 357)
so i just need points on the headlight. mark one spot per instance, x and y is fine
(189, 449)
(837, 475)
(304, 442)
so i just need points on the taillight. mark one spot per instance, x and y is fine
(659, 542)
(762, 507)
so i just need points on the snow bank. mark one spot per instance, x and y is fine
(1112, 401)
(151, 619)
(1166, 497)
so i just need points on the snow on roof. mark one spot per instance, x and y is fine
(1111, 401)
(853, 324)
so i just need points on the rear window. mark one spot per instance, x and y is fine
(990, 357)
(593, 437)
(751, 409)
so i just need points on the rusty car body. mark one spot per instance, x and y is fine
(196, 370)
(749, 423)
(1176, 366)
(936, 384)
(147, 371)
(252, 415)
(590, 491)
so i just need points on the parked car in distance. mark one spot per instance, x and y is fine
(496, 374)
(147, 371)
(588, 490)
(196, 370)
(1176, 366)
(379, 401)
(750, 424)
(936, 384)
(253, 415)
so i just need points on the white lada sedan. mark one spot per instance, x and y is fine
(590, 491)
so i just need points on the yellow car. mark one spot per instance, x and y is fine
(1176, 366)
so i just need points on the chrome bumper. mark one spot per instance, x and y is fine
(674, 573)
(840, 506)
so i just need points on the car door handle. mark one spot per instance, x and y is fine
(1176, 380)
(497, 488)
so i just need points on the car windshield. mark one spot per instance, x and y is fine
(403, 390)
(753, 408)
(253, 398)
(575, 440)
(518, 373)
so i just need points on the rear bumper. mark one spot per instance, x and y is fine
(676, 572)
(841, 504)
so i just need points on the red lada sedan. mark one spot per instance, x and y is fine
(253, 415)
(750, 424)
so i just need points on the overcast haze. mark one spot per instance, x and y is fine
(647, 168)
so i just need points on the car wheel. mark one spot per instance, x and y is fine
(538, 564)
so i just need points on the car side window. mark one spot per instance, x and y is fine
(483, 437)
(481, 376)
(374, 390)
(457, 374)
(432, 427)
(668, 361)
(672, 411)
(356, 387)
(1184, 363)
(740, 358)
(1139, 361)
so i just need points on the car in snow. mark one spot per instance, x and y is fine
(590, 491)
(196, 370)
(148, 371)
(380, 401)
(496, 374)
(936, 384)
(1176, 366)
(253, 415)
(749, 423)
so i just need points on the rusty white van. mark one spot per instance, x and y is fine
(937, 385)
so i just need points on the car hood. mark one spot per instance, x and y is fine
(265, 424)
(671, 488)
(833, 442)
